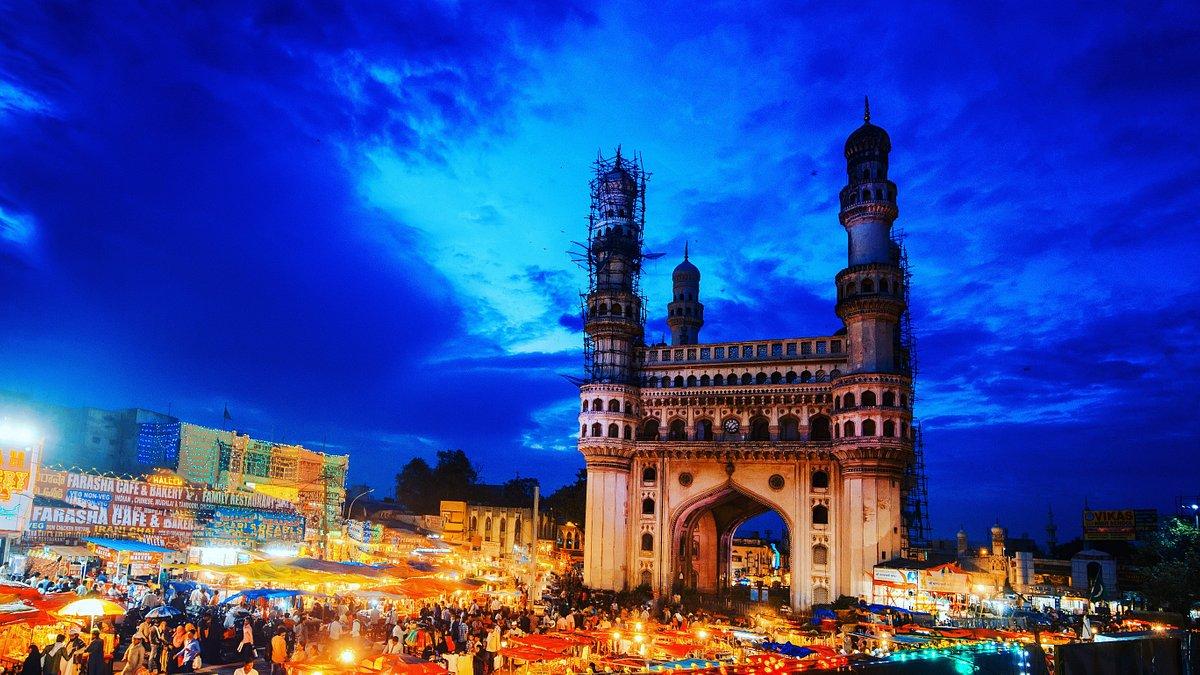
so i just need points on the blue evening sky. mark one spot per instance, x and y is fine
(350, 222)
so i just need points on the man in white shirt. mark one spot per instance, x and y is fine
(335, 630)
(247, 669)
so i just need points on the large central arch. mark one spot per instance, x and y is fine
(702, 532)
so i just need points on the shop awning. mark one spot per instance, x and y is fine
(127, 545)
(268, 593)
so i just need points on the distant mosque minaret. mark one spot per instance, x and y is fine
(685, 312)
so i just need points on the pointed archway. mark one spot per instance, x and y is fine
(702, 531)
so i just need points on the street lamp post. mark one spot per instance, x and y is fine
(350, 510)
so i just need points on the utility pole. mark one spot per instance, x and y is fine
(533, 547)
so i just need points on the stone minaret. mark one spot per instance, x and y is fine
(609, 396)
(873, 437)
(685, 313)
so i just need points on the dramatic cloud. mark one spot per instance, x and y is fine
(350, 223)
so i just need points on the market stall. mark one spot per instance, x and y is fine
(128, 557)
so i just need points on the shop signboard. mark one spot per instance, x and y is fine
(945, 579)
(163, 510)
(18, 464)
(1119, 525)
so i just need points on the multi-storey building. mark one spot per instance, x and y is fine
(687, 441)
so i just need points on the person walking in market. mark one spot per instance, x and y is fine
(188, 659)
(33, 661)
(52, 659)
(279, 653)
(95, 655)
(135, 656)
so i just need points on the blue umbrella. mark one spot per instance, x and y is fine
(162, 612)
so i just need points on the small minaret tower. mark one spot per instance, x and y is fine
(997, 540)
(685, 313)
(961, 542)
(609, 396)
(872, 441)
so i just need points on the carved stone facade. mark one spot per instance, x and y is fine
(697, 438)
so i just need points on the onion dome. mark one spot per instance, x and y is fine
(685, 271)
(868, 136)
(618, 172)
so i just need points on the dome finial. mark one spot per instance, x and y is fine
(866, 109)
(618, 162)
(685, 249)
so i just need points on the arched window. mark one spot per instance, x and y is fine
(614, 406)
(647, 541)
(820, 595)
(761, 378)
(889, 428)
(652, 382)
(776, 377)
(903, 400)
(848, 429)
(703, 430)
(647, 578)
(848, 400)
(868, 428)
(731, 380)
(647, 507)
(691, 381)
(487, 529)
(834, 374)
(904, 430)
(821, 376)
(883, 285)
(628, 408)
(789, 429)
(616, 309)
(820, 555)
(718, 381)
(867, 285)
(585, 405)
(603, 308)
(614, 431)
(760, 429)
(474, 523)
(596, 429)
(582, 430)
(649, 474)
(747, 379)
(868, 398)
(517, 531)
(790, 378)
(678, 381)
(820, 480)
(598, 404)
(503, 530)
(820, 515)
(676, 431)
(806, 376)
(705, 380)
(649, 430)
(818, 428)
(889, 399)
(628, 432)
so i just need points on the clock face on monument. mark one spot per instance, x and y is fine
(732, 426)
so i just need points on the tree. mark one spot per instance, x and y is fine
(569, 502)
(454, 475)
(1172, 566)
(415, 487)
(519, 491)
